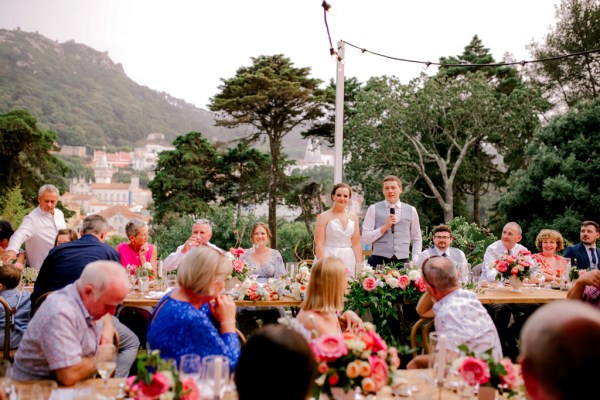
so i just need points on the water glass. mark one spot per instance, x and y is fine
(440, 358)
(6, 374)
(292, 269)
(144, 279)
(171, 280)
(214, 378)
(189, 367)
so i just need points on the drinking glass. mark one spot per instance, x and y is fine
(189, 367)
(292, 269)
(131, 270)
(171, 280)
(440, 358)
(106, 362)
(541, 278)
(214, 378)
(254, 273)
(144, 279)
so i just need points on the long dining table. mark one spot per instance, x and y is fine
(486, 296)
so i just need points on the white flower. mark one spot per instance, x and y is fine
(356, 345)
(392, 282)
(246, 284)
(147, 265)
(320, 381)
(414, 274)
(231, 256)
(367, 269)
(303, 270)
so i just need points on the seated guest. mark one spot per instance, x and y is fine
(442, 239)
(61, 339)
(457, 312)
(64, 265)
(585, 255)
(549, 242)
(201, 234)
(6, 231)
(19, 302)
(325, 300)
(560, 354)
(586, 288)
(138, 250)
(279, 358)
(508, 244)
(65, 236)
(194, 317)
(269, 264)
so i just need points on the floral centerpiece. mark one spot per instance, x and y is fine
(158, 379)
(251, 290)
(240, 267)
(513, 266)
(133, 270)
(376, 292)
(485, 370)
(354, 361)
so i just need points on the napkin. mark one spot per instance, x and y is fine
(155, 295)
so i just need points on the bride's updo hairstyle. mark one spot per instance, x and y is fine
(341, 185)
(327, 286)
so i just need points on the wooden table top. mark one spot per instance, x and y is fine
(486, 296)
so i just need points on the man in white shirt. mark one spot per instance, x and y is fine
(201, 234)
(391, 226)
(508, 244)
(38, 229)
(442, 239)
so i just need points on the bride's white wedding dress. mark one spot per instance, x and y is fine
(338, 243)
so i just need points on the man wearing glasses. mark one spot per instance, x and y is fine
(442, 239)
(201, 234)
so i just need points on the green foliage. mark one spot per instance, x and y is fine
(116, 240)
(186, 177)
(295, 243)
(86, 98)
(25, 157)
(272, 97)
(14, 207)
(468, 237)
(558, 189)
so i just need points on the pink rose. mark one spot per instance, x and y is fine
(329, 347)
(18, 265)
(524, 264)
(403, 281)
(158, 386)
(474, 371)
(379, 372)
(502, 266)
(511, 379)
(514, 271)
(237, 252)
(524, 253)
(420, 284)
(510, 259)
(190, 389)
(378, 342)
(322, 368)
(369, 284)
(238, 265)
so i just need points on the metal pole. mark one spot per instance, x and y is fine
(339, 114)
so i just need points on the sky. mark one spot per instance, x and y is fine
(185, 47)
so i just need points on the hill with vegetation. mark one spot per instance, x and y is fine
(88, 100)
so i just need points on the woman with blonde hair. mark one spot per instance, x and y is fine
(321, 310)
(549, 242)
(337, 231)
(195, 317)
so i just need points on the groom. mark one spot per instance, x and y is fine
(391, 226)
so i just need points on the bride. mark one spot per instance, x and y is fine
(336, 231)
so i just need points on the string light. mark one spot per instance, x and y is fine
(332, 51)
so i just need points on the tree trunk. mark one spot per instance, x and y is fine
(275, 146)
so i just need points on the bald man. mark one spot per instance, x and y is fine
(560, 356)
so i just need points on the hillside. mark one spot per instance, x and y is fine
(88, 100)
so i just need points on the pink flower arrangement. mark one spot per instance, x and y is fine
(158, 378)
(240, 267)
(484, 369)
(354, 361)
(518, 266)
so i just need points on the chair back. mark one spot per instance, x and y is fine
(7, 314)
(421, 330)
(39, 302)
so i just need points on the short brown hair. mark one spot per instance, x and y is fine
(10, 276)
(392, 178)
(72, 235)
(593, 223)
(326, 287)
(550, 234)
(442, 228)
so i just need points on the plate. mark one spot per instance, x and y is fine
(154, 295)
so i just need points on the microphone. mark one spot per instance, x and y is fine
(392, 212)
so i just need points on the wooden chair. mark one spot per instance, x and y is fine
(422, 326)
(308, 263)
(39, 301)
(7, 314)
(241, 336)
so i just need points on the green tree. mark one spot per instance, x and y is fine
(25, 156)
(569, 80)
(14, 207)
(425, 129)
(247, 176)
(273, 97)
(559, 187)
(186, 178)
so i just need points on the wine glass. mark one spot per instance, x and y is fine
(189, 367)
(254, 273)
(106, 362)
(171, 281)
(6, 374)
(214, 378)
(144, 279)
(132, 275)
